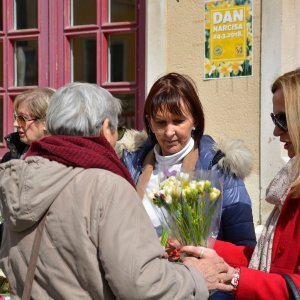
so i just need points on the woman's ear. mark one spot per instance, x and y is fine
(104, 128)
(44, 128)
(107, 133)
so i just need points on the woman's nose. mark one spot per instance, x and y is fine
(16, 124)
(277, 131)
(169, 130)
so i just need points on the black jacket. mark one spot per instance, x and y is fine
(15, 146)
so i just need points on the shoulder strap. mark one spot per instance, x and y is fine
(33, 259)
(293, 290)
(36, 245)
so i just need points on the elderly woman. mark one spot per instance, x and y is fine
(29, 112)
(29, 120)
(174, 121)
(75, 198)
(258, 271)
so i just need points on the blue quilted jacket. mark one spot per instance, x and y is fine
(237, 221)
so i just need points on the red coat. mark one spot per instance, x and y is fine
(255, 284)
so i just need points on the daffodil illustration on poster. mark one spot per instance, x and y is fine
(228, 38)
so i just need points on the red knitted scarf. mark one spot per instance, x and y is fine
(78, 151)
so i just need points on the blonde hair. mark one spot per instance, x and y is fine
(289, 83)
(36, 101)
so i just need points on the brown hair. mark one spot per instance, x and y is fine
(166, 93)
(36, 100)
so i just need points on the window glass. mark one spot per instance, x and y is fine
(25, 14)
(1, 64)
(26, 62)
(127, 119)
(1, 119)
(122, 10)
(83, 12)
(122, 57)
(83, 59)
(1, 16)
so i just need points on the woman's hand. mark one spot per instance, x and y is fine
(216, 272)
(173, 250)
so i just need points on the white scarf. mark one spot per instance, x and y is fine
(276, 194)
(171, 163)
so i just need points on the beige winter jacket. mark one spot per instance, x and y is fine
(98, 242)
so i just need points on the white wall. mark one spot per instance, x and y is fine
(156, 40)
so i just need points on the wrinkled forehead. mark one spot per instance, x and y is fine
(176, 107)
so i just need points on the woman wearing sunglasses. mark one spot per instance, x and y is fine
(257, 272)
(29, 120)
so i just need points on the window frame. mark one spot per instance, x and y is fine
(103, 30)
(138, 87)
(9, 36)
(53, 34)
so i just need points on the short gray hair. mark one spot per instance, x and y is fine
(80, 109)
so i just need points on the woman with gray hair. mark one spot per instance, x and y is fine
(75, 221)
(83, 117)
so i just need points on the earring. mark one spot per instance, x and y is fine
(194, 128)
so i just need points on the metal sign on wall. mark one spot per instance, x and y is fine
(228, 38)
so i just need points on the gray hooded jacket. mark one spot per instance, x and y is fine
(98, 242)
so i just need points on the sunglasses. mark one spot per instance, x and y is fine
(279, 120)
(121, 132)
(21, 119)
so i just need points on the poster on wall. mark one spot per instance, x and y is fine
(228, 38)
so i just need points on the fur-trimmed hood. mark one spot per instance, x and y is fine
(237, 159)
(131, 141)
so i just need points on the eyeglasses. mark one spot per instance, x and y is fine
(121, 132)
(22, 119)
(279, 120)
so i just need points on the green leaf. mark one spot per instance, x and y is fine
(164, 237)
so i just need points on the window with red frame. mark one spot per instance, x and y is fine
(53, 42)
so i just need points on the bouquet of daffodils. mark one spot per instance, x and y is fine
(189, 207)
